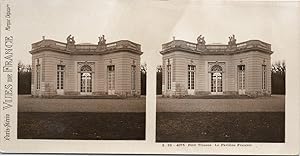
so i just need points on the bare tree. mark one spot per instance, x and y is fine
(159, 80)
(279, 67)
(278, 77)
(24, 78)
(144, 68)
(143, 78)
(159, 68)
(23, 68)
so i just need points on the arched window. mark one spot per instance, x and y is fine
(216, 68)
(86, 79)
(216, 79)
(86, 68)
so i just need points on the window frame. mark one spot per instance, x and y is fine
(191, 77)
(60, 75)
(241, 76)
(169, 77)
(264, 75)
(133, 77)
(38, 75)
(111, 76)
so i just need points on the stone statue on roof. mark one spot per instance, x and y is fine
(200, 43)
(102, 40)
(232, 40)
(70, 39)
(201, 40)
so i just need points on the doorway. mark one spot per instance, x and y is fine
(86, 80)
(216, 80)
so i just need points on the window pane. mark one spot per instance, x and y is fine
(133, 68)
(263, 76)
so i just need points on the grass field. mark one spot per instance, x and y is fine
(220, 127)
(83, 126)
(178, 120)
(171, 127)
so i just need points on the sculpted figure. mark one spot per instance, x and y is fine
(102, 40)
(201, 40)
(232, 40)
(70, 39)
(70, 42)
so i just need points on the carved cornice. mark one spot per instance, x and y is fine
(119, 46)
(251, 45)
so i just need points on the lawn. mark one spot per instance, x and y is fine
(220, 127)
(81, 125)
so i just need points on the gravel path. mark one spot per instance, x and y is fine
(275, 103)
(28, 104)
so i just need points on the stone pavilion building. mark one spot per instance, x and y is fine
(216, 69)
(85, 69)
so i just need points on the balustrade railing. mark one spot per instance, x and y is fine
(92, 47)
(49, 43)
(254, 43)
(85, 47)
(193, 46)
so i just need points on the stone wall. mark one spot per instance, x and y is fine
(50, 59)
(253, 61)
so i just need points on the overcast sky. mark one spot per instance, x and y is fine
(152, 23)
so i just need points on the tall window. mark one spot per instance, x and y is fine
(38, 75)
(111, 77)
(264, 72)
(191, 77)
(133, 71)
(86, 79)
(169, 76)
(241, 76)
(60, 76)
(216, 79)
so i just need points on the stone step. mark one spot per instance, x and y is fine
(87, 97)
(216, 97)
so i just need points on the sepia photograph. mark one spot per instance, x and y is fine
(149, 77)
(219, 88)
(78, 89)
(82, 91)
